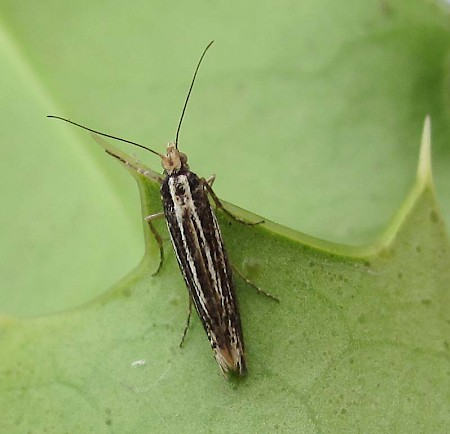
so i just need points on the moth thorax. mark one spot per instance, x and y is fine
(174, 160)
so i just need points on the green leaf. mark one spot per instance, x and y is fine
(358, 342)
(308, 112)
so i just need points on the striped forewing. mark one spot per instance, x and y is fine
(203, 261)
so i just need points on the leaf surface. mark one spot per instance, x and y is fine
(358, 342)
(309, 113)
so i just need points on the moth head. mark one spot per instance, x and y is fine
(174, 160)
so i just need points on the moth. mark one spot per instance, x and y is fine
(199, 248)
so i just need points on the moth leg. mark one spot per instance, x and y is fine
(135, 166)
(257, 288)
(158, 238)
(219, 203)
(188, 321)
(211, 180)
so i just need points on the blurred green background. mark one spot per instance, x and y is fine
(309, 113)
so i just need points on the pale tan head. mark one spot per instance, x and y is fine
(174, 160)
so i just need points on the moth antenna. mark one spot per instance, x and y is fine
(189, 92)
(106, 135)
